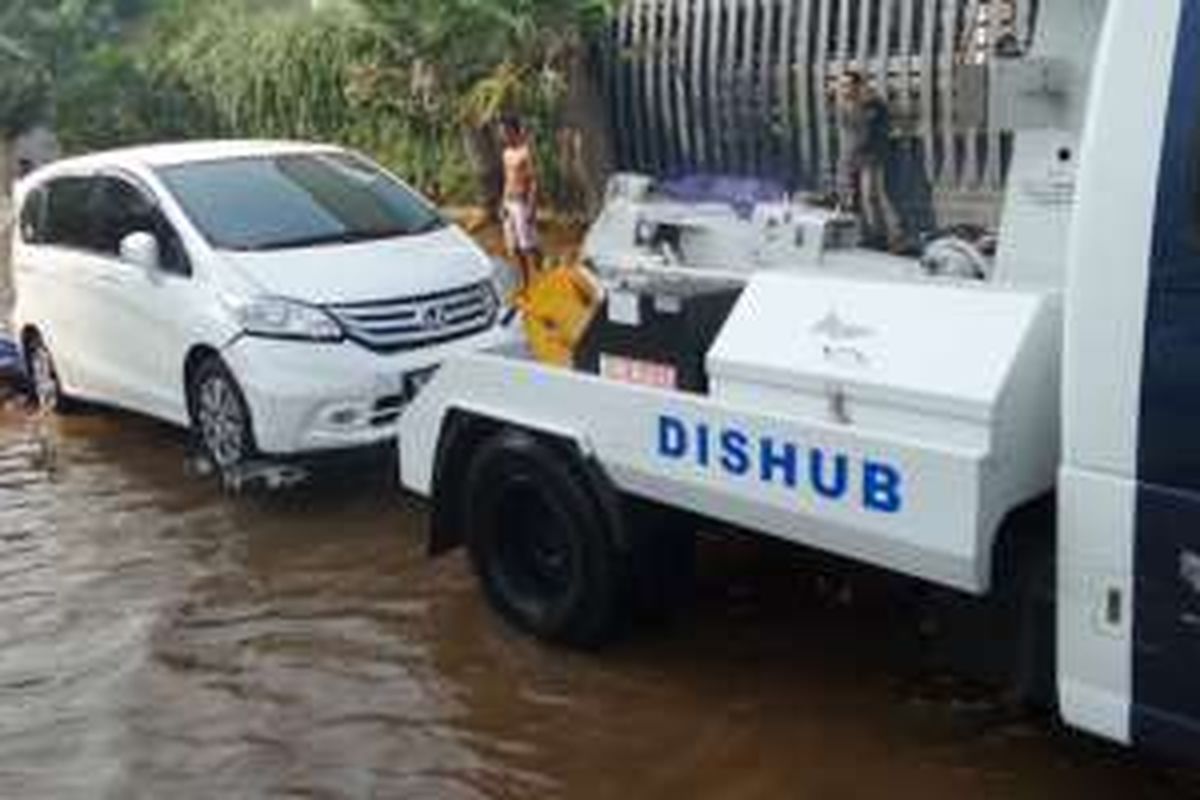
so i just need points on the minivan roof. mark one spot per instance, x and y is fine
(163, 155)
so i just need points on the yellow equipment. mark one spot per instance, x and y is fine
(557, 308)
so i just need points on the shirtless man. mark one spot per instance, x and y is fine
(520, 200)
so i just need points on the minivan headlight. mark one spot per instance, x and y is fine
(505, 281)
(277, 318)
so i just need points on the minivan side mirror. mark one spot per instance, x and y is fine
(141, 249)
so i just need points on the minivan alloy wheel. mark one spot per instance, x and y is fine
(46, 390)
(222, 418)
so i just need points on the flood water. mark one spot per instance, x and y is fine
(163, 639)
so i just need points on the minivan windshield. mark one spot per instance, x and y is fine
(296, 200)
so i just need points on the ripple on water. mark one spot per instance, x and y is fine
(161, 639)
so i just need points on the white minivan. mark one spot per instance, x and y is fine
(279, 298)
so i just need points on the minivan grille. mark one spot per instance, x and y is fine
(389, 326)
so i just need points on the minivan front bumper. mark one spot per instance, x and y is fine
(307, 397)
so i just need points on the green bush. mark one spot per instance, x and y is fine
(403, 80)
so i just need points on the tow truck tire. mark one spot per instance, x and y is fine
(540, 545)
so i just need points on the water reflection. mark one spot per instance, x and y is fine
(162, 638)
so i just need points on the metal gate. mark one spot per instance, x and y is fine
(747, 86)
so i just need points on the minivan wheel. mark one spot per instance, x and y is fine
(43, 377)
(539, 544)
(220, 415)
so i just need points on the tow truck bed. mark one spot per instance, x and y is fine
(894, 502)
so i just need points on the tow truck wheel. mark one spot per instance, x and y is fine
(539, 543)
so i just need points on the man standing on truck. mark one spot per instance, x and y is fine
(519, 209)
(865, 131)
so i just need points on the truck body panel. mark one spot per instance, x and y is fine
(1129, 634)
(918, 506)
(1166, 613)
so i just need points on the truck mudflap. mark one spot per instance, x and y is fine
(923, 509)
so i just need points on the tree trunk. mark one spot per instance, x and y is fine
(7, 212)
(8, 159)
(585, 141)
(484, 152)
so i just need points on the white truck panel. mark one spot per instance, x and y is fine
(931, 350)
(1109, 263)
(893, 423)
(1043, 176)
(923, 509)
(1095, 642)
(959, 367)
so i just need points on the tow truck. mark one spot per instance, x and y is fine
(1031, 433)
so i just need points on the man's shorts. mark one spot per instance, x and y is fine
(520, 228)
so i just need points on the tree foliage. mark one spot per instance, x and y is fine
(46, 47)
(478, 59)
(22, 94)
(492, 55)
(411, 81)
(23, 78)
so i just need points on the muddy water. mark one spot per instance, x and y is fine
(161, 639)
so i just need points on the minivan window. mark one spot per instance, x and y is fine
(67, 223)
(32, 221)
(296, 200)
(121, 208)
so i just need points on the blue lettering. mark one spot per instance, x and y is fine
(672, 438)
(735, 449)
(881, 488)
(702, 445)
(835, 489)
(784, 459)
(779, 462)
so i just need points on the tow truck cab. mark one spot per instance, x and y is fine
(1129, 488)
(906, 421)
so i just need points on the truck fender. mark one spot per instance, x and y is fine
(463, 431)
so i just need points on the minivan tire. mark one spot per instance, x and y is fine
(220, 416)
(539, 544)
(44, 383)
